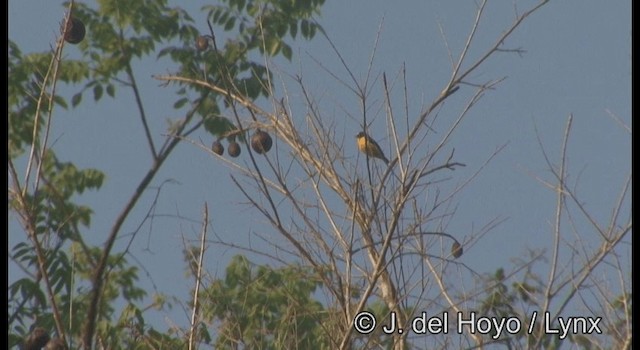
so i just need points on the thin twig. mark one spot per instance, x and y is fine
(196, 292)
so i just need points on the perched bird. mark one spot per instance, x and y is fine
(368, 146)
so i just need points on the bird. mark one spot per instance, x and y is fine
(369, 147)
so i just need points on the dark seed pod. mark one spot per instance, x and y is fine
(37, 339)
(234, 149)
(55, 344)
(456, 250)
(217, 147)
(261, 142)
(75, 31)
(202, 43)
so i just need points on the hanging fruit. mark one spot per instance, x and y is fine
(202, 43)
(234, 149)
(456, 250)
(261, 142)
(217, 147)
(75, 31)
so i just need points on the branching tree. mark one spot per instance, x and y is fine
(359, 237)
(117, 34)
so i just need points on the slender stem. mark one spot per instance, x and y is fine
(98, 276)
(143, 115)
(196, 292)
(548, 294)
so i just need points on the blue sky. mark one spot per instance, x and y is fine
(577, 61)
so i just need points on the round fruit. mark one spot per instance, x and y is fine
(261, 142)
(234, 149)
(202, 43)
(456, 250)
(37, 339)
(217, 147)
(56, 344)
(75, 31)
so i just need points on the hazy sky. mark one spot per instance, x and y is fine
(577, 60)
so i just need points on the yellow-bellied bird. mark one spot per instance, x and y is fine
(368, 146)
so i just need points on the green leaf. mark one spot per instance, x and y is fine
(111, 90)
(216, 13)
(273, 46)
(252, 9)
(76, 99)
(286, 51)
(304, 28)
(21, 249)
(217, 125)
(181, 102)
(230, 23)
(97, 92)
(60, 101)
(224, 17)
(313, 28)
(281, 29)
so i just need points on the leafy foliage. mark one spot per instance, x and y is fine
(118, 34)
(25, 82)
(266, 308)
